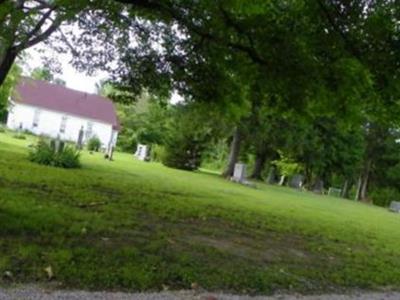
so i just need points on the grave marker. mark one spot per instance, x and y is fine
(142, 152)
(395, 206)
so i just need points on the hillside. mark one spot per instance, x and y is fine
(132, 225)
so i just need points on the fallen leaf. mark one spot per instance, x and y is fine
(49, 272)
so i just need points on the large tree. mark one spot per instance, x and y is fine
(25, 23)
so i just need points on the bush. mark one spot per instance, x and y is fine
(383, 196)
(19, 136)
(44, 153)
(127, 142)
(183, 153)
(68, 158)
(94, 144)
(157, 153)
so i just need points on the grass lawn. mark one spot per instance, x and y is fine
(133, 225)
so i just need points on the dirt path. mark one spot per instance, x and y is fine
(36, 293)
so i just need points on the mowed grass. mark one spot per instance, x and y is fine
(131, 225)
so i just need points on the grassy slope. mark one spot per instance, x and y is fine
(162, 227)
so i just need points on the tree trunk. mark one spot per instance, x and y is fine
(259, 164)
(364, 186)
(271, 179)
(346, 189)
(6, 63)
(358, 189)
(233, 154)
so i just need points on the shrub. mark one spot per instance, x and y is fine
(127, 142)
(44, 153)
(94, 144)
(19, 136)
(383, 196)
(183, 153)
(157, 153)
(68, 158)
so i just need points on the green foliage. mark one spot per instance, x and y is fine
(190, 130)
(287, 166)
(19, 136)
(383, 196)
(46, 74)
(42, 74)
(44, 153)
(215, 155)
(6, 89)
(94, 144)
(183, 152)
(157, 153)
(68, 158)
(144, 123)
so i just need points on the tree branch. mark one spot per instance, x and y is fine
(348, 44)
(152, 4)
(39, 24)
(39, 38)
(65, 40)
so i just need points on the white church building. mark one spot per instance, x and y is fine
(56, 111)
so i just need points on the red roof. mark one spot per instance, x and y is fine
(59, 98)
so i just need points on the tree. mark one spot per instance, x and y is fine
(46, 75)
(7, 88)
(25, 23)
(190, 130)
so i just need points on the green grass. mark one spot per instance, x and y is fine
(132, 225)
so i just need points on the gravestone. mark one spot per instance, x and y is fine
(395, 206)
(79, 142)
(334, 192)
(296, 181)
(142, 152)
(110, 152)
(282, 180)
(239, 173)
(58, 145)
(318, 187)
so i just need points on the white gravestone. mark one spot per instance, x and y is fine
(334, 192)
(395, 206)
(239, 173)
(142, 152)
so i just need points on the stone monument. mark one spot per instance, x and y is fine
(142, 152)
(395, 206)
(239, 173)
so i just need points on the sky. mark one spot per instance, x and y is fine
(74, 79)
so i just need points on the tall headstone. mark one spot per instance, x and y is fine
(296, 181)
(79, 142)
(142, 152)
(110, 152)
(282, 180)
(239, 173)
(318, 186)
